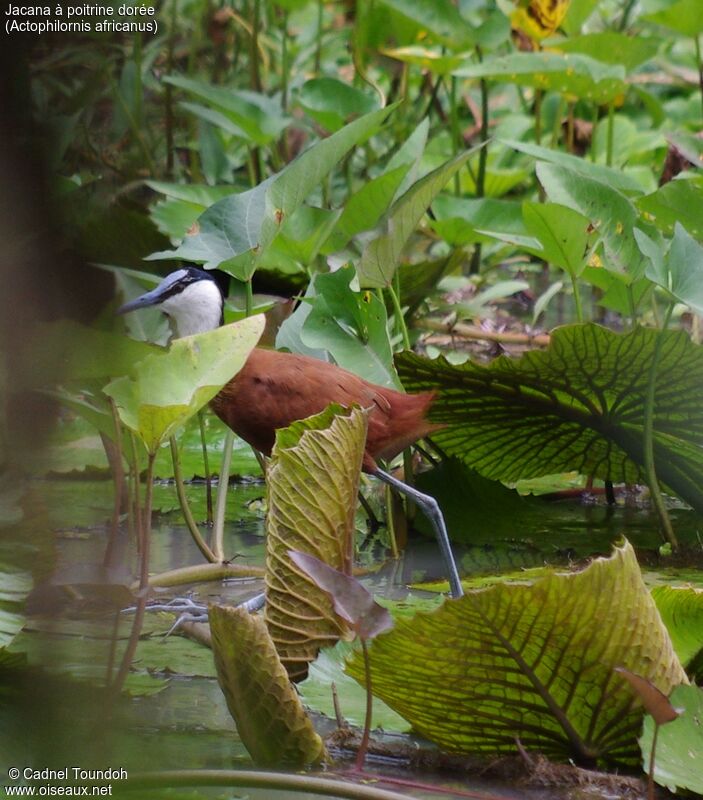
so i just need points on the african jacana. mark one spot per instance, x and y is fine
(274, 389)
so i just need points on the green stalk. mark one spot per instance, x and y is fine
(249, 298)
(454, 121)
(594, 123)
(221, 499)
(117, 466)
(185, 506)
(198, 573)
(577, 298)
(168, 90)
(284, 63)
(649, 465)
(206, 466)
(482, 161)
(556, 128)
(650, 776)
(400, 325)
(611, 134)
(699, 62)
(318, 44)
(255, 74)
(539, 95)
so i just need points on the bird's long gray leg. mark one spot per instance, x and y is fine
(433, 512)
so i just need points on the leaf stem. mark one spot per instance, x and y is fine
(221, 499)
(577, 297)
(206, 466)
(649, 465)
(401, 327)
(185, 506)
(650, 776)
(249, 298)
(611, 134)
(482, 162)
(699, 61)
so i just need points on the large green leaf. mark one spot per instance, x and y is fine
(615, 178)
(684, 17)
(56, 352)
(579, 405)
(678, 268)
(270, 718)
(332, 102)
(679, 753)
(562, 232)
(234, 232)
(258, 119)
(610, 212)
(612, 48)
(531, 662)
(168, 388)
(571, 74)
(680, 200)
(382, 254)
(300, 177)
(440, 18)
(351, 326)
(681, 608)
(312, 483)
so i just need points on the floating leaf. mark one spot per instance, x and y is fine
(326, 673)
(681, 608)
(530, 661)
(313, 480)
(679, 753)
(270, 718)
(571, 74)
(579, 405)
(170, 387)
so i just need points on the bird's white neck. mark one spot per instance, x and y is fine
(196, 309)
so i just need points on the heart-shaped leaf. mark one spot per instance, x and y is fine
(531, 662)
(168, 388)
(571, 74)
(381, 255)
(681, 608)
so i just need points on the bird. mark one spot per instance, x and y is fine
(274, 389)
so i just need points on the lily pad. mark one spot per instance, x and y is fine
(679, 753)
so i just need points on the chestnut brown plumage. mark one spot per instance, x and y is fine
(274, 389)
